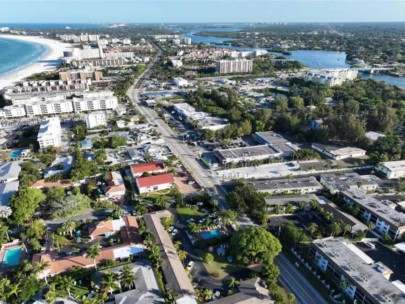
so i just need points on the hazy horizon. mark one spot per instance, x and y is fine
(199, 11)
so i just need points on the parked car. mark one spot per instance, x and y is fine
(190, 265)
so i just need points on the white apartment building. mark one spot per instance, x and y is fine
(185, 40)
(392, 169)
(234, 66)
(96, 119)
(189, 112)
(367, 281)
(331, 77)
(50, 133)
(180, 82)
(13, 112)
(383, 213)
(95, 103)
(49, 108)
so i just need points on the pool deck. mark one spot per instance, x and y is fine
(14, 244)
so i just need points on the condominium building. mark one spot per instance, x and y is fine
(45, 86)
(95, 103)
(96, 119)
(13, 112)
(365, 281)
(49, 108)
(185, 40)
(50, 133)
(59, 103)
(234, 66)
(100, 62)
(384, 214)
(392, 169)
(81, 74)
(331, 77)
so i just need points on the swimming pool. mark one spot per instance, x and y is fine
(15, 154)
(210, 234)
(12, 257)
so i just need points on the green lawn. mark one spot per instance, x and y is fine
(186, 213)
(220, 265)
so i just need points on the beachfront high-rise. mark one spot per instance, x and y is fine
(234, 66)
(50, 133)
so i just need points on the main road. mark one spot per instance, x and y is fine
(200, 173)
(304, 292)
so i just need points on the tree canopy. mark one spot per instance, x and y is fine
(254, 245)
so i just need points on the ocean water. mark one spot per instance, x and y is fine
(15, 54)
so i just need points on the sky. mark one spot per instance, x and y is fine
(183, 11)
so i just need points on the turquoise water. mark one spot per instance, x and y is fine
(12, 257)
(210, 234)
(15, 54)
(15, 154)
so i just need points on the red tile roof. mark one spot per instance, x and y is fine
(155, 180)
(148, 167)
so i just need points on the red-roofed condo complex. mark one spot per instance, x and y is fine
(152, 168)
(154, 183)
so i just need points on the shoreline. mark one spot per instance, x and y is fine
(48, 61)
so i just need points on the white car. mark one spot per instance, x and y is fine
(190, 265)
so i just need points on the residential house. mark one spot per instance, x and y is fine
(154, 183)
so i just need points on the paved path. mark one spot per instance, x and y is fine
(297, 283)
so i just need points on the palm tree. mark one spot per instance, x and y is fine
(69, 227)
(313, 227)
(40, 267)
(68, 283)
(182, 255)
(208, 294)
(127, 277)
(371, 226)
(177, 244)
(13, 290)
(109, 282)
(346, 228)
(233, 283)
(92, 252)
(51, 295)
(335, 228)
(170, 296)
(86, 300)
(4, 283)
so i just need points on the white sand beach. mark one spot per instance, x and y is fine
(47, 62)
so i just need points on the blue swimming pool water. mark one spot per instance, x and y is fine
(210, 234)
(12, 257)
(15, 154)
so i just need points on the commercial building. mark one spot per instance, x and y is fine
(234, 66)
(80, 75)
(96, 119)
(173, 269)
(246, 154)
(331, 77)
(180, 82)
(383, 213)
(212, 123)
(9, 172)
(366, 281)
(278, 142)
(300, 185)
(50, 133)
(392, 169)
(338, 153)
(138, 170)
(154, 183)
(373, 136)
(189, 112)
(349, 181)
